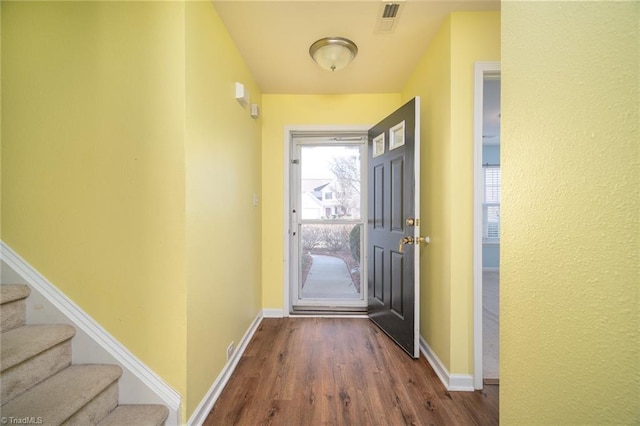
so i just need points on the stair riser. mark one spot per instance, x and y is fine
(23, 376)
(13, 315)
(97, 409)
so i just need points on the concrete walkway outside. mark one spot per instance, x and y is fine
(329, 278)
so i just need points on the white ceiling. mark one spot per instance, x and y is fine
(274, 37)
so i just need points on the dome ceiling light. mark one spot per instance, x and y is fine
(333, 53)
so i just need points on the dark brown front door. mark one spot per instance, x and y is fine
(393, 226)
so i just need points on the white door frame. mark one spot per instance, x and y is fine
(480, 70)
(289, 133)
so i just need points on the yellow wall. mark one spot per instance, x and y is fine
(92, 163)
(444, 80)
(291, 110)
(129, 172)
(570, 268)
(431, 80)
(222, 174)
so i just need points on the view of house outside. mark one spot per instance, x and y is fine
(330, 182)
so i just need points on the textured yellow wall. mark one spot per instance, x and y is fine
(444, 80)
(222, 174)
(92, 163)
(570, 267)
(289, 110)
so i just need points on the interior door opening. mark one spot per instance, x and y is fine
(488, 181)
(492, 182)
(327, 221)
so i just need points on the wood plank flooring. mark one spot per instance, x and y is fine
(491, 326)
(337, 371)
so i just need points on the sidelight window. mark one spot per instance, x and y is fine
(491, 204)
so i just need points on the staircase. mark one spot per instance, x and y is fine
(39, 385)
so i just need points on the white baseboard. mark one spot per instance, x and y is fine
(138, 383)
(453, 382)
(204, 408)
(272, 313)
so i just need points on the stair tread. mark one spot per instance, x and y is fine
(11, 292)
(63, 394)
(139, 415)
(27, 341)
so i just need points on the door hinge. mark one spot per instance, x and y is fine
(295, 161)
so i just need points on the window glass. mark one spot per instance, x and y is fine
(491, 203)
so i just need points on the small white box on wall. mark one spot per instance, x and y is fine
(242, 96)
(255, 111)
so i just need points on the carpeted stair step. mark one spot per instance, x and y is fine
(30, 354)
(78, 395)
(13, 309)
(139, 415)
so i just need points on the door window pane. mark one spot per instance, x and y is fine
(378, 145)
(330, 185)
(397, 136)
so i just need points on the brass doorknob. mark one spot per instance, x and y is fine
(403, 241)
(425, 240)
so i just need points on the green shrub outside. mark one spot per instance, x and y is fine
(354, 243)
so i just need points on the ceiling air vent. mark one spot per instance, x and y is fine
(390, 10)
(387, 17)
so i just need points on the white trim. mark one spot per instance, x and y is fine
(417, 228)
(206, 405)
(461, 383)
(273, 313)
(286, 306)
(479, 71)
(94, 331)
(453, 382)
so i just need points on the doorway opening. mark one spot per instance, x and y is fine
(338, 181)
(327, 217)
(488, 181)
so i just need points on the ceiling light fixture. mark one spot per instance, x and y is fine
(333, 53)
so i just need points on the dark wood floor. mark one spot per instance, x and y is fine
(330, 371)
